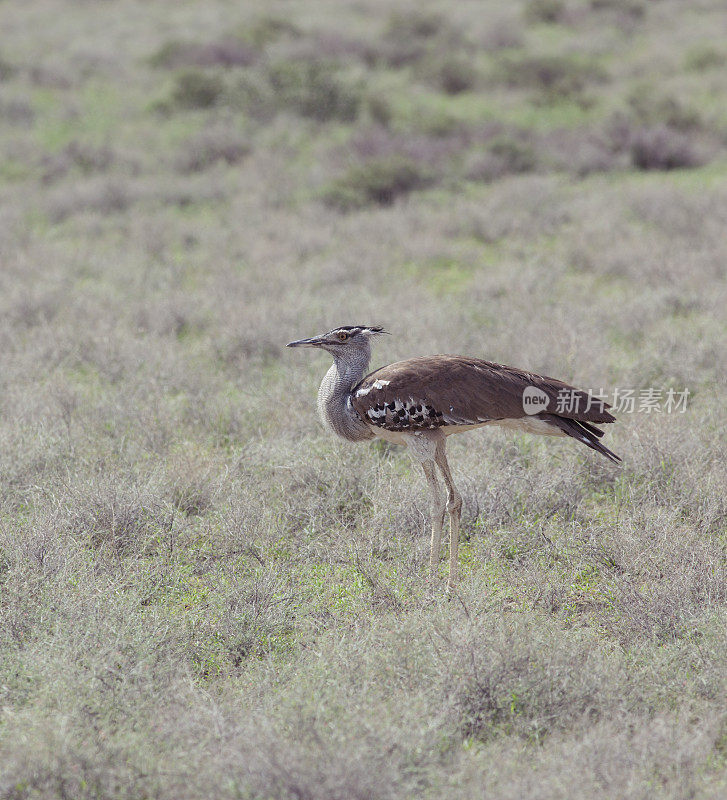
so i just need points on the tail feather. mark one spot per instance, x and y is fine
(590, 428)
(583, 432)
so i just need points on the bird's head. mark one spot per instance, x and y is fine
(350, 343)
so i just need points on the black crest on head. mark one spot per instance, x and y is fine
(353, 328)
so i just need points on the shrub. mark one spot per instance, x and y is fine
(253, 94)
(7, 70)
(377, 182)
(410, 37)
(518, 156)
(504, 156)
(532, 684)
(88, 158)
(554, 76)
(382, 144)
(315, 89)
(581, 151)
(650, 107)
(104, 196)
(191, 488)
(415, 25)
(226, 52)
(663, 148)
(379, 109)
(635, 9)
(334, 47)
(210, 147)
(544, 11)
(197, 89)
(17, 111)
(265, 30)
(121, 518)
(455, 75)
(503, 34)
(705, 57)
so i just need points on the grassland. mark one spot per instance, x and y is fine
(201, 593)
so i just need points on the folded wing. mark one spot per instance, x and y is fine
(445, 390)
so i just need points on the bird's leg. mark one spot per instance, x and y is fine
(438, 509)
(454, 507)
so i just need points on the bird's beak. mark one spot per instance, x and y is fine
(314, 341)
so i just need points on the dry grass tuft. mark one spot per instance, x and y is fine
(532, 682)
(120, 520)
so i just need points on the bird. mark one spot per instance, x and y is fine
(421, 401)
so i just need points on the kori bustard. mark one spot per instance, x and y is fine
(421, 401)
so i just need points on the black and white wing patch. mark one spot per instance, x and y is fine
(375, 404)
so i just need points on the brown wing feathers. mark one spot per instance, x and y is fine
(446, 390)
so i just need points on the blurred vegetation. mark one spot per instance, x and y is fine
(202, 594)
(380, 181)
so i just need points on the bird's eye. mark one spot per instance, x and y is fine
(342, 336)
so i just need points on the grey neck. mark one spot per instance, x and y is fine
(334, 396)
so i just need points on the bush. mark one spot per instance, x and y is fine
(503, 34)
(581, 151)
(226, 52)
(7, 70)
(316, 90)
(101, 196)
(531, 682)
(504, 156)
(650, 107)
(382, 144)
(636, 9)
(210, 147)
(265, 30)
(88, 158)
(379, 109)
(335, 48)
(415, 25)
(377, 182)
(663, 148)
(120, 518)
(410, 37)
(456, 75)
(705, 57)
(548, 11)
(518, 156)
(252, 94)
(553, 76)
(17, 111)
(197, 89)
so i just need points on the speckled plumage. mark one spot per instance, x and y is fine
(334, 403)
